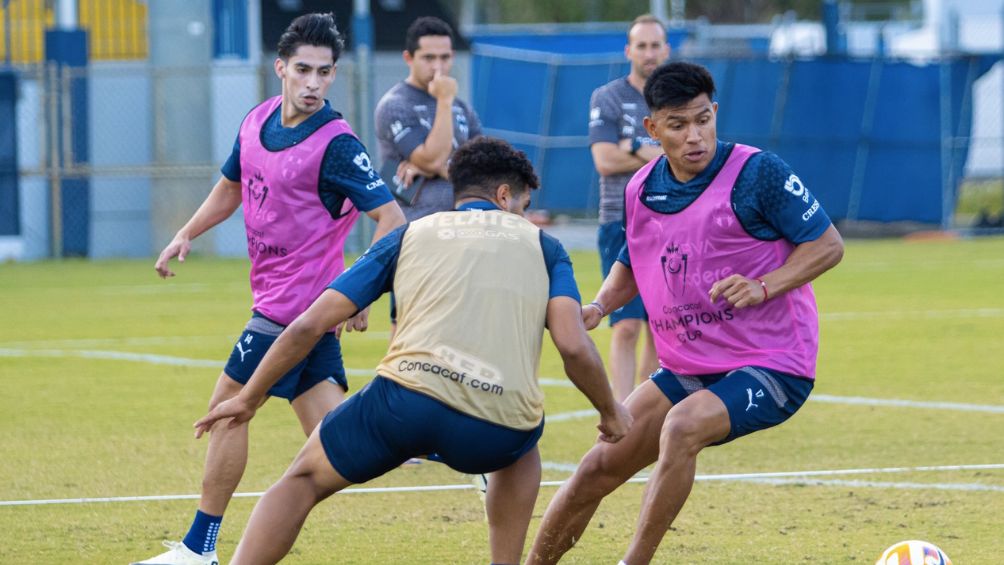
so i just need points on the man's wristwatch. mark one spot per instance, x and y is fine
(635, 145)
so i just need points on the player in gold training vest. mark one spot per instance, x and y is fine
(475, 287)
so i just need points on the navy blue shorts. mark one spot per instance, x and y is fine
(385, 424)
(756, 398)
(323, 363)
(611, 240)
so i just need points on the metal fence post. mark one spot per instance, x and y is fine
(52, 91)
(864, 139)
(362, 44)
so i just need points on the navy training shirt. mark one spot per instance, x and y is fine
(346, 169)
(373, 273)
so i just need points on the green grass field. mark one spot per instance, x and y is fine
(104, 367)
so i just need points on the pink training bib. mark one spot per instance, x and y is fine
(295, 247)
(676, 258)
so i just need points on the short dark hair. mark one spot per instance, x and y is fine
(315, 29)
(426, 25)
(676, 83)
(478, 167)
(645, 19)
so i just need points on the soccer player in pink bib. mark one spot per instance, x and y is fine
(302, 176)
(723, 241)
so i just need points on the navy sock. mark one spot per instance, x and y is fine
(201, 536)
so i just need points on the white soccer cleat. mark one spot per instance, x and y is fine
(481, 484)
(179, 554)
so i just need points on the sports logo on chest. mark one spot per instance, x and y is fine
(722, 216)
(681, 265)
(673, 261)
(257, 191)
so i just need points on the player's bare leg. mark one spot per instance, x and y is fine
(314, 404)
(649, 362)
(604, 468)
(693, 424)
(512, 492)
(623, 366)
(226, 454)
(279, 515)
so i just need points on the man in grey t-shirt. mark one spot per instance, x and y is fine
(620, 146)
(420, 121)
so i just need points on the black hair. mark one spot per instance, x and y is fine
(315, 29)
(426, 25)
(676, 83)
(480, 166)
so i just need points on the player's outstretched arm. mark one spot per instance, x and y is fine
(293, 344)
(584, 366)
(218, 206)
(618, 289)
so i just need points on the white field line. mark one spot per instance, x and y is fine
(555, 466)
(112, 356)
(913, 314)
(826, 398)
(355, 372)
(862, 401)
(138, 357)
(873, 484)
(797, 477)
(149, 340)
(569, 416)
(113, 341)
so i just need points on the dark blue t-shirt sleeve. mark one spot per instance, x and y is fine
(473, 123)
(604, 117)
(559, 269)
(373, 273)
(398, 123)
(624, 257)
(771, 202)
(232, 168)
(348, 172)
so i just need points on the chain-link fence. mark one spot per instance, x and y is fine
(114, 157)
